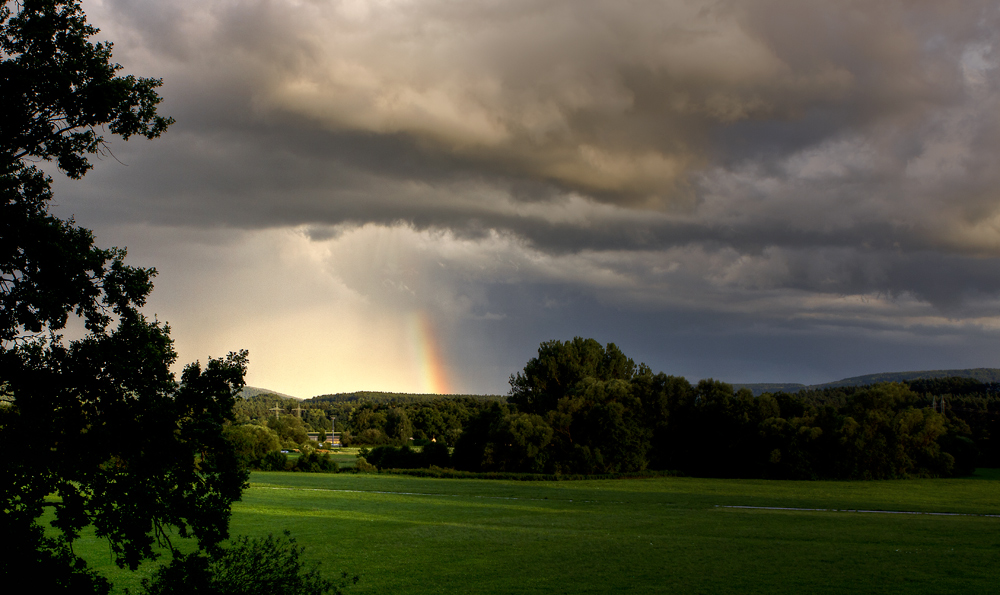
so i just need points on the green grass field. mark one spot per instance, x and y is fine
(415, 535)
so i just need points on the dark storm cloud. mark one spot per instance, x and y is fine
(832, 148)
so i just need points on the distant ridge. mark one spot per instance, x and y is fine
(760, 388)
(980, 374)
(384, 397)
(250, 392)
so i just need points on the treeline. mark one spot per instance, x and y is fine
(982, 375)
(393, 398)
(394, 423)
(583, 408)
(579, 407)
(962, 399)
(406, 419)
(259, 447)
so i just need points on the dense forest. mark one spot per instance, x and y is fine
(983, 375)
(365, 418)
(579, 407)
(583, 408)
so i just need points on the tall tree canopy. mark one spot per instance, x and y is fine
(560, 366)
(580, 407)
(96, 428)
(57, 88)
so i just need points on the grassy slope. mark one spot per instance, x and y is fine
(416, 535)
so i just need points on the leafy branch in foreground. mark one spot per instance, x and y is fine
(116, 442)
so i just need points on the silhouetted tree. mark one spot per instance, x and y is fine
(122, 446)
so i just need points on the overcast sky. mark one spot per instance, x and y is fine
(412, 195)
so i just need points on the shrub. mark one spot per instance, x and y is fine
(274, 461)
(390, 457)
(362, 465)
(435, 454)
(314, 462)
(251, 442)
(263, 566)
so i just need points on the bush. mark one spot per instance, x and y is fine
(404, 457)
(314, 462)
(274, 461)
(362, 465)
(436, 454)
(390, 457)
(263, 566)
(251, 442)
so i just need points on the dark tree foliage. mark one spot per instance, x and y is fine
(251, 443)
(50, 268)
(59, 88)
(123, 448)
(289, 428)
(478, 439)
(436, 454)
(597, 428)
(974, 403)
(404, 457)
(951, 386)
(56, 90)
(314, 462)
(391, 457)
(96, 429)
(499, 439)
(257, 408)
(263, 566)
(880, 432)
(274, 461)
(361, 422)
(560, 366)
(398, 427)
(580, 408)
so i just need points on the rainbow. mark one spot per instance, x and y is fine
(427, 354)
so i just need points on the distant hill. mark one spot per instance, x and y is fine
(382, 397)
(980, 374)
(250, 392)
(760, 388)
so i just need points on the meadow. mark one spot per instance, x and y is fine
(405, 534)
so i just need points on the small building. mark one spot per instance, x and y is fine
(332, 440)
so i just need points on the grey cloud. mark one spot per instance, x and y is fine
(621, 101)
(836, 148)
(733, 347)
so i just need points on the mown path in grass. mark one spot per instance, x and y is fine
(417, 535)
